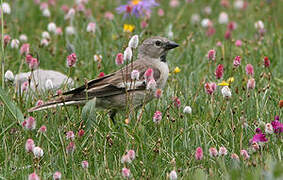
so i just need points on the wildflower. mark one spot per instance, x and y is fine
(266, 62)
(39, 103)
(128, 28)
(23, 38)
(239, 4)
(126, 173)
(251, 83)
(43, 5)
(277, 126)
(42, 129)
(158, 93)
(84, 164)
(52, 27)
(24, 49)
(7, 39)
(157, 117)
(238, 43)
(255, 146)
(230, 80)
(33, 176)
(227, 34)
(177, 70)
(160, 12)
(195, 18)
(237, 61)
(97, 57)
(46, 12)
(223, 83)
(232, 26)
(249, 69)
(57, 175)
(187, 110)
(70, 14)
(211, 55)
(151, 84)
(128, 54)
(210, 31)
(119, 60)
(9, 76)
(108, 15)
(37, 152)
(70, 135)
(268, 128)
(259, 25)
(24, 86)
(70, 30)
(245, 154)
(206, 23)
(199, 153)
(174, 3)
(176, 102)
(58, 31)
(126, 159)
(148, 74)
(29, 145)
(136, 7)
(226, 92)
(71, 59)
(258, 137)
(6, 8)
(33, 64)
(219, 44)
(213, 152)
(234, 156)
(219, 71)
(44, 42)
(15, 44)
(132, 155)
(101, 74)
(81, 133)
(71, 147)
(135, 75)
(210, 88)
(134, 41)
(91, 27)
(223, 18)
(223, 151)
(173, 175)
(280, 103)
(29, 123)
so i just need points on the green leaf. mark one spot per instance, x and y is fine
(89, 113)
(13, 109)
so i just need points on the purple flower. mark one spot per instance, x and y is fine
(258, 137)
(277, 126)
(137, 7)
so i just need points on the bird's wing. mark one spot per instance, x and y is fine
(116, 83)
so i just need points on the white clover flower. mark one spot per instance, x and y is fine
(23, 38)
(38, 152)
(226, 92)
(223, 18)
(268, 128)
(173, 175)
(151, 85)
(44, 42)
(9, 76)
(52, 27)
(206, 23)
(46, 12)
(70, 14)
(15, 44)
(135, 75)
(195, 18)
(187, 110)
(259, 25)
(134, 41)
(70, 30)
(91, 27)
(45, 35)
(6, 8)
(239, 4)
(128, 54)
(97, 57)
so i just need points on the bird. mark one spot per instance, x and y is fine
(111, 91)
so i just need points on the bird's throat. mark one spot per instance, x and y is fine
(163, 58)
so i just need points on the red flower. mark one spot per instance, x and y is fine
(219, 71)
(266, 62)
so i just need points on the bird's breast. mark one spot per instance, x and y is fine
(164, 72)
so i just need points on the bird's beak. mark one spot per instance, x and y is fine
(171, 45)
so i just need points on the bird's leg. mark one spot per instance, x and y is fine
(112, 114)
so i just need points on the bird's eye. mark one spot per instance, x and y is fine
(158, 43)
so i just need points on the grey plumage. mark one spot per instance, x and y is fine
(110, 91)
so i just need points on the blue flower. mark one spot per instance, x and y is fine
(136, 7)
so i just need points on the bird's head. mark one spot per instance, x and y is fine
(156, 47)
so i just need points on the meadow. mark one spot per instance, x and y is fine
(221, 108)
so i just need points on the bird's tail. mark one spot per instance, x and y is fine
(56, 103)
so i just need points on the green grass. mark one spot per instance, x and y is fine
(171, 144)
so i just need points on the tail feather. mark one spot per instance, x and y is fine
(53, 104)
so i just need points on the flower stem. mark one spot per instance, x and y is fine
(2, 46)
